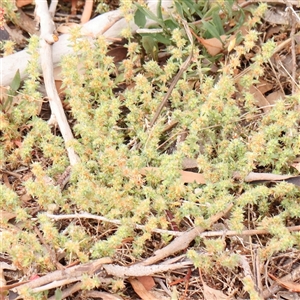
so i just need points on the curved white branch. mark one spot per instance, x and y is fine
(18, 61)
(46, 40)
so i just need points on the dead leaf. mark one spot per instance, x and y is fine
(65, 28)
(273, 97)
(140, 290)
(231, 44)
(296, 165)
(289, 285)
(276, 16)
(5, 215)
(3, 287)
(87, 11)
(147, 282)
(3, 293)
(3, 92)
(118, 53)
(21, 3)
(264, 86)
(190, 177)
(6, 181)
(266, 177)
(272, 31)
(102, 295)
(161, 296)
(186, 177)
(189, 163)
(213, 294)
(261, 101)
(213, 46)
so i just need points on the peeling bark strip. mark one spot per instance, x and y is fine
(140, 270)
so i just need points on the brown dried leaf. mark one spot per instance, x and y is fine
(186, 177)
(5, 215)
(296, 165)
(87, 11)
(3, 292)
(273, 97)
(140, 290)
(213, 294)
(231, 44)
(289, 285)
(264, 86)
(276, 16)
(147, 282)
(21, 3)
(190, 177)
(118, 53)
(261, 101)
(102, 295)
(213, 45)
(266, 177)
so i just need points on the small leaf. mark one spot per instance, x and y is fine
(161, 39)
(179, 9)
(213, 294)
(218, 23)
(229, 5)
(213, 45)
(16, 82)
(139, 18)
(150, 15)
(211, 30)
(159, 10)
(170, 24)
(231, 44)
(150, 46)
(58, 294)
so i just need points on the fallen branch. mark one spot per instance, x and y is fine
(69, 291)
(244, 232)
(248, 232)
(9, 65)
(141, 270)
(183, 241)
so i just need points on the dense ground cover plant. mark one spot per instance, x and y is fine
(216, 125)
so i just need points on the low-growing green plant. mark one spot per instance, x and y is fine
(115, 142)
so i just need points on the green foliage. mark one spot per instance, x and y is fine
(5, 105)
(211, 25)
